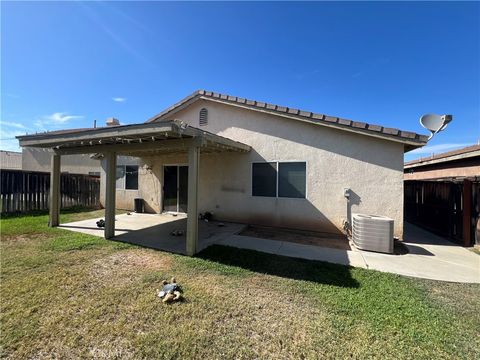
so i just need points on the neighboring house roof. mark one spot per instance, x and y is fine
(410, 139)
(10, 160)
(464, 153)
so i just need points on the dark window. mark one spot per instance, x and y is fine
(292, 179)
(131, 177)
(264, 179)
(203, 117)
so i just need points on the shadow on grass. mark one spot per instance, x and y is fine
(282, 266)
(69, 210)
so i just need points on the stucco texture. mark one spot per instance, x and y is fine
(34, 159)
(372, 168)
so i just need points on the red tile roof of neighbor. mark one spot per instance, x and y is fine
(445, 155)
(340, 123)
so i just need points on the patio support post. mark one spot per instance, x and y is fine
(54, 196)
(192, 211)
(111, 169)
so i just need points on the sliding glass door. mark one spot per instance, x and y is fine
(175, 188)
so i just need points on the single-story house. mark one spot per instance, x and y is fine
(245, 161)
(442, 194)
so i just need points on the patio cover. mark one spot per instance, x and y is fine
(135, 140)
(164, 137)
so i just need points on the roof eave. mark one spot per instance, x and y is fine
(433, 161)
(410, 143)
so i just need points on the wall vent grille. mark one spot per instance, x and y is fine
(203, 117)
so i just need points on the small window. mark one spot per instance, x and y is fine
(292, 179)
(203, 117)
(264, 179)
(127, 177)
(131, 177)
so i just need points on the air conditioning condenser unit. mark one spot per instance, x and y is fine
(372, 233)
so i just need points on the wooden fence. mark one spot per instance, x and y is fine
(437, 206)
(24, 191)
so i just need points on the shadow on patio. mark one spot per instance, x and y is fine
(154, 231)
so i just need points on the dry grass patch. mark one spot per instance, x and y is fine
(126, 266)
(263, 318)
(19, 240)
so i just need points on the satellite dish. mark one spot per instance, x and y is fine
(435, 123)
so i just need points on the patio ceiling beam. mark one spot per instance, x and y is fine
(131, 137)
(48, 140)
(125, 147)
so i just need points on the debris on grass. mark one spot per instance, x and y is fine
(170, 292)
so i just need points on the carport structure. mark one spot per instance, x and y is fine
(168, 137)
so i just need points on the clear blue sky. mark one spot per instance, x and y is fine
(65, 64)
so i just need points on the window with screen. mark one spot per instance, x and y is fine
(264, 179)
(131, 177)
(292, 179)
(127, 177)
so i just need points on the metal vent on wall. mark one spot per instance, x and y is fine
(203, 117)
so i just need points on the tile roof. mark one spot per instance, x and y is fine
(414, 139)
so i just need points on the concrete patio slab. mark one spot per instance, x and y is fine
(154, 230)
(286, 248)
(429, 256)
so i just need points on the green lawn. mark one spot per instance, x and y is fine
(69, 295)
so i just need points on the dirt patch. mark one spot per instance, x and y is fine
(323, 239)
(23, 239)
(124, 266)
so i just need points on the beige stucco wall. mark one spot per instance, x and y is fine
(35, 159)
(372, 168)
(149, 175)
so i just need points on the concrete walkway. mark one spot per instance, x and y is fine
(429, 256)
